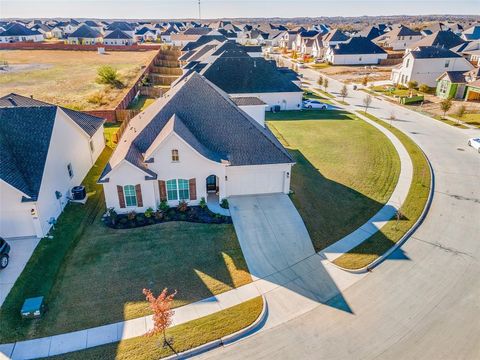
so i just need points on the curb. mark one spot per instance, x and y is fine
(226, 340)
(407, 235)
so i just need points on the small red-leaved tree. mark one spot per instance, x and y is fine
(162, 313)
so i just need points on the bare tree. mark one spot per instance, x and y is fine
(320, 81)
(344, 92)
(325, 84)
(392, 117)
(367, 101)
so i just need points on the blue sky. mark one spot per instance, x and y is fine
(230, 8)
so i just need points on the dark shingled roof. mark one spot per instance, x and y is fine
(143, 31)
(244, 74)
(202, 40)
(117, 34)
(27, 124)
(212, 124)
(15, 29)
(446, 39)
(85, 31)
(197, 31)
(357, 45)
(457, 77)
(122, 25)
(370, 33)
(433, 52)
(335, 35)
(247, 101)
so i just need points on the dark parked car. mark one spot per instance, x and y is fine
(4, 250)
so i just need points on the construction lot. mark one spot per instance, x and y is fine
(67, 78)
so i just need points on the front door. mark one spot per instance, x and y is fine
(211, 183)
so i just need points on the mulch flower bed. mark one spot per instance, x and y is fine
(194, 214)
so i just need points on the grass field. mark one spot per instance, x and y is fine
(67, 78)
(345, 170)
(141, 103)
(394, 230)
(92, 275)
(185, 336)
(469, 118)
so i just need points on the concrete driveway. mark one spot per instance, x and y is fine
(20, 252)
(424, 301)
(271, 232)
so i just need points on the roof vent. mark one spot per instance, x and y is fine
(12, 101)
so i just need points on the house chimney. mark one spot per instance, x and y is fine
(31, 96)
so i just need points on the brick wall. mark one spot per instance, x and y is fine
(72, 47)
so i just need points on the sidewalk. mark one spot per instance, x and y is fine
(289, 292)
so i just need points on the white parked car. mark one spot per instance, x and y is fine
(314, 104)
(475, 143)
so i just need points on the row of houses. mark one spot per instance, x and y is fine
(205, 138)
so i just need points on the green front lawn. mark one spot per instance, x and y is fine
(92, 275)
(394, 230)
(469, 118)
(110, 129)
(345, 170)
(185, 336)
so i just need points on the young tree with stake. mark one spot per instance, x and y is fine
(344, 92)
(445, 105)
(162, 313)
(367, 101)
(325, 84)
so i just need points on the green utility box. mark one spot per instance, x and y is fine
(410, 100)
(32, 308)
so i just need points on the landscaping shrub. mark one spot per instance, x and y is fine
(203, 203)
(149, 213)
(108, 75)
(224, 203)
(98, 98)
(424, 88)
(182, 206)
(163, 206)
(132, 215)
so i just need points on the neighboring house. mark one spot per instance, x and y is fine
(43, 29)
(445, 38)
(145, 34)
(189, 35)
(472, 33)
(318, 49)
(85, 35)
(370, 33)
(425, 64)
(94, 25)
(287, 39)
(71, 26)
(184, 150)
(308, 45)
(16, 32)
(459, 85)
(118, 37)
(334, 37)
(400, 38)
(121, 25)
(241, 75)
(166, 35)
(356, 51)
(470, 50)
(302, 37)
(45, 150)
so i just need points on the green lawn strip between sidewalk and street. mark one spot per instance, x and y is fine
(411, 210)
(185, 336)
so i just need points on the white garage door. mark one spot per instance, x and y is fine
(16, 223)
(245, 181)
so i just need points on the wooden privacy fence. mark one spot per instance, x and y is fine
(154, 92)
(390, 61)
(73, 47)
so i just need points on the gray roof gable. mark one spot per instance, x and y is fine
(85, 31)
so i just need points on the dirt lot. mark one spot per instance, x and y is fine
(68, 77)
(355, 74)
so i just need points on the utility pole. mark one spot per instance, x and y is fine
(199, 11)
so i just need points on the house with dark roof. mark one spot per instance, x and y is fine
(118, 38)
(399, 38)
(235, 71)
(184, 150)
(45, 150)
(459, 84)
(356, 51)
(426, 63)
(85, 35)
(126, 27)
(145, 34)
(444, 38)
(15, 32)
(334, 37)
(472, 33)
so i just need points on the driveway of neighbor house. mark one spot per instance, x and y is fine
(20, 252)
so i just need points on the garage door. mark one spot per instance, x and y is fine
(16, 223)
(244, 181)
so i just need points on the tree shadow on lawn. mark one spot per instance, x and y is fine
(103, 278)
(329, 209)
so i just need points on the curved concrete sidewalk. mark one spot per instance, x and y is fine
(388, 211)
(293, 279)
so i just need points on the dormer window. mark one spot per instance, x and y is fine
(175, 156)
